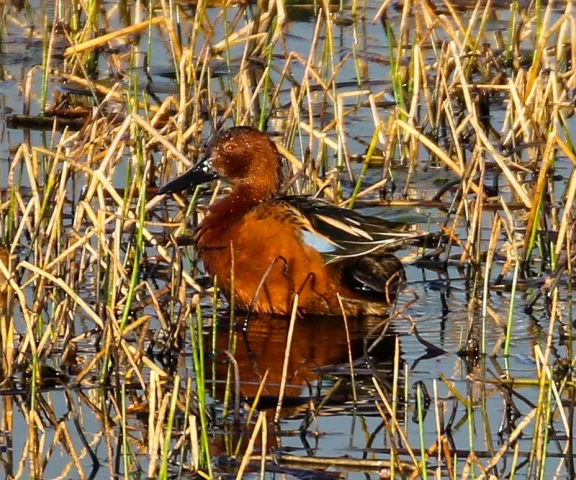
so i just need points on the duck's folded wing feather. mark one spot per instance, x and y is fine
(343, 233)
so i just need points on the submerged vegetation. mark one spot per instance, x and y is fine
(118, 355)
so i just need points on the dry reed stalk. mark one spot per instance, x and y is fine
(375, 187)
(109, 438)
(350, 358)
(304, 90)
(518, 189)
(110, 93)
(538, 354)
(319, 462)
(158, 439)
(508, 442)
(33, 450)
(62, 430)
(28, 100)
(286, 358)
(22, 25)
(319, 135)
(341, 136)
(492, 245)
(470, 40)
(298, 165)
(54, 224)
(98, 175)
(29, 341)
(160, 139)
(455, 131)
(130, 353)
(437, 151)
(395, 425)
(264, 448)
(567, 217)
(382, 9)
(25, 222)
(153, 447)
(174, 39)
(541, 425)
(7, 329)
(184, 102)
(112, 192)
(474, 227)
(254, 405)
(22, 463)
(472, 460)
(73, 295)
(246, 457)
(416, 93)
(439, 428)
(88, 367)
(547, 160)
(427, 92)
(541, 44)
(241, 35)
(194, 442)
(394, 458)
(123, 32)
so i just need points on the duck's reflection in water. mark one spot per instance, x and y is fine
(319, 354)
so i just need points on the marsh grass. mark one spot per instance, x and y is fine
(100, 301)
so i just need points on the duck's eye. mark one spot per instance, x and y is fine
(230, 147)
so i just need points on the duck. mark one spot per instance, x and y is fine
(275, 254)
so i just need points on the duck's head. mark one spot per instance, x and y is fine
(242, 156)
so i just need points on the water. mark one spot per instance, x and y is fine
(444, 305)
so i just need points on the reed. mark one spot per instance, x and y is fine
(456, 118)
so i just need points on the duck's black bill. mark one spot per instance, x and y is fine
(200, 173)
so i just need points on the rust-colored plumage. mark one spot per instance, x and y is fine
(274, 241)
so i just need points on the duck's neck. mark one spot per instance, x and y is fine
(251, 194)
(237, 203)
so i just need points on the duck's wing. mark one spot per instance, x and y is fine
(341, 233)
